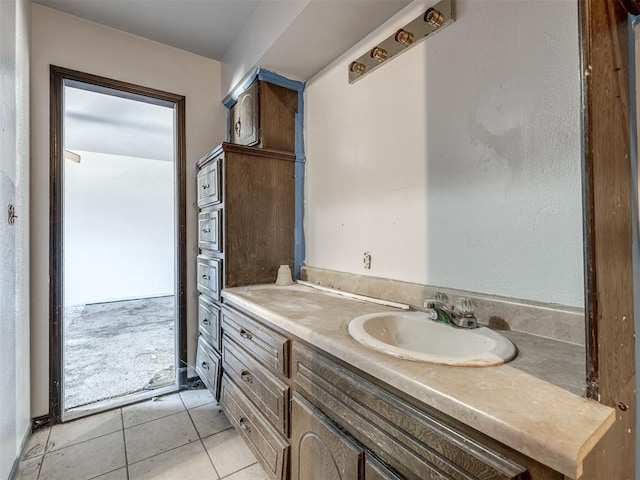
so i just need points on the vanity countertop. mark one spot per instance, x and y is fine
(532, 416)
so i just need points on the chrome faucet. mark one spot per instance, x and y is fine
(461, 315)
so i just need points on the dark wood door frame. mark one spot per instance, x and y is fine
(58, 77)
(608, 217)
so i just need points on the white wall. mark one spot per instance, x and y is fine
(15, 415)
(458, 163)
(72, 42)
(118, 228)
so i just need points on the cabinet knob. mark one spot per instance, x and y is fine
(206, 230)
(205, 186)
(246, 376)
(246, 334)
(205, 365)
(244, 424)
(237, 127)
(206, 322)
(206, 277)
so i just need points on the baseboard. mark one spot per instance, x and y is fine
(16, 464)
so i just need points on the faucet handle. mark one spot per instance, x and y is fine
(465, 306)
(441, 297)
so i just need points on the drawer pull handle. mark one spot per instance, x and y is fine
(244, 424)
(246, 376)
(238, 128)
(206, 277)
(246, 334)
(206, 230)
(205, 365)
(205, 186)
(206, 322)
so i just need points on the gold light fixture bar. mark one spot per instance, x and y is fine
(430, 21)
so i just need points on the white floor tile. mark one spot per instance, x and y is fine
(37, 443)
(78, 431)
(209, 419)
(120, 474)
(29, 468)
(189, 462)
(228, 451)
(195, 398)
(158, 436)
(152, 410)
(85, 460)
(254, 472)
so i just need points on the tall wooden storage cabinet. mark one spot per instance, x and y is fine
(246, 208)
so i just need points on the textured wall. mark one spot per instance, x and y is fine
(119, 220)
(15, 415)
(72, 42)
(458, 163)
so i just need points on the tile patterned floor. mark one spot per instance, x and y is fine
(183, 436)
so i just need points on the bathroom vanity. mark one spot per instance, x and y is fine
(308, 398)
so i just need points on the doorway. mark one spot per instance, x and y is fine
(118, 237)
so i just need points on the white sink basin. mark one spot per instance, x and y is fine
(414, 336)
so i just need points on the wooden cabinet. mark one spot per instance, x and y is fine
(319, 451)
(255, 386)
(340, 424)
(264, 116)
(246, 201)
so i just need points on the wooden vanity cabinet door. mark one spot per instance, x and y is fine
(244, 118)
(319, 450)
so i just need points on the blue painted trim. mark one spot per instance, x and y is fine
(635, 254)
(247, 81)
(277, 79)
(300, 244)
(230, 100)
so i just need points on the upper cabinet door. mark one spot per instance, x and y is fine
(244, 118)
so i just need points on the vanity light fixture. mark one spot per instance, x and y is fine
(357, 68)
(432, 20)
(379, 54)
(434, 17)
(404, 38)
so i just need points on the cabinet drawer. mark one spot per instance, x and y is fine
(269, 447)
(208, 366)
(209, 322)
(269, 394)
(209, 276)
(209, 233)
(269, 347)
(414, 443)
(208, 181)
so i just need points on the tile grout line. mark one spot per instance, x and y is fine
(124, 439)
(83, 441)
(200, 437)
(242, 469)
(44, 453)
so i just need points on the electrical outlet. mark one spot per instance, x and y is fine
(366, 260)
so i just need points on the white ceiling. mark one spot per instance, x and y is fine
(323, 30)
(205, 27)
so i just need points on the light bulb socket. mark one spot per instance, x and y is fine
(357, 68)
(379, 54)
(404, 38)
(434, 17)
